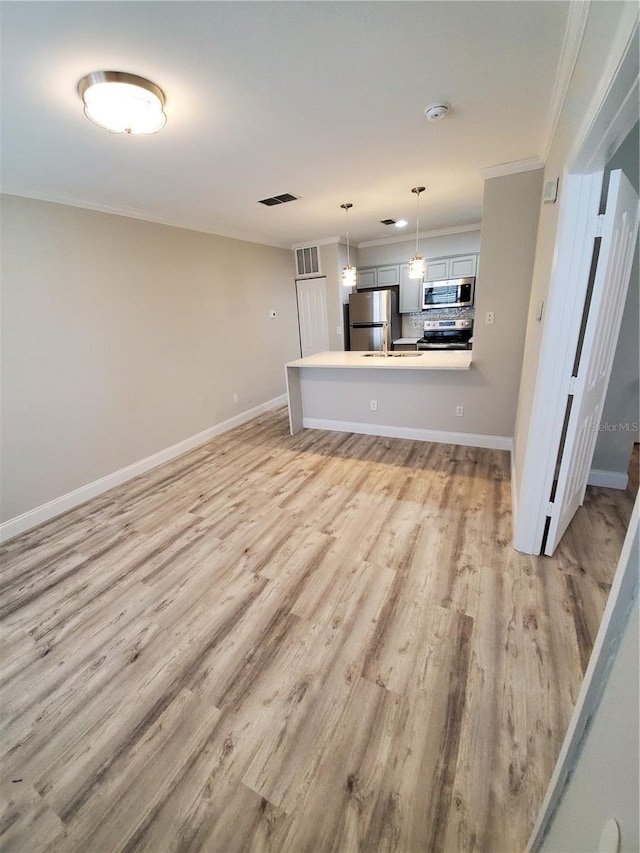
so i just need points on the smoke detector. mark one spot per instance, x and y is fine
(435, 112)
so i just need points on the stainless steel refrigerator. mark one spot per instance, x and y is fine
(372, 314)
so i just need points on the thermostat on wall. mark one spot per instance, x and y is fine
(550, 193)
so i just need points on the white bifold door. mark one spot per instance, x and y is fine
(618, 229)
(313, 318)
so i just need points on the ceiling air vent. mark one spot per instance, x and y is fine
(278, 199)
(387, 222)
(307, 260)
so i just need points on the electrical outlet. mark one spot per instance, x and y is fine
(374, 405)
(236, 398)
(339, 330)
(459, 411)
(272, 314)
(489, 318)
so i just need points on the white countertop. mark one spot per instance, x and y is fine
(406, 341)
(424, 360)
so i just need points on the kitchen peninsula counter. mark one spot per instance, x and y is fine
(355, 372)
(424, 360)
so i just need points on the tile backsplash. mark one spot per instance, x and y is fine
(413, 324)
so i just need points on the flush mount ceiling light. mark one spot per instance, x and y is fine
(122, 103)
(416, 263)
(401, 223)
(348, 272)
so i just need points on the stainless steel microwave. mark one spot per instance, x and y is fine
(450, 293)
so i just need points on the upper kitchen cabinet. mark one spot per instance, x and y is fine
(388, 276)
(438, 268)
(464, 266)
(410, 292)
(459, 266)
(367, 278)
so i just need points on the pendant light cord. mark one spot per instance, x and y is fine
(346, 219)
(346, 207)
(417, 191)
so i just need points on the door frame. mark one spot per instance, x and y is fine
(612, 115)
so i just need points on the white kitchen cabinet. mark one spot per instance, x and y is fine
(459, 266)
(438, 268)
(463, 266)
(410, 292)
(367, 278)
(388, 276)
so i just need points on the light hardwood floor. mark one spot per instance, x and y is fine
(322, 642)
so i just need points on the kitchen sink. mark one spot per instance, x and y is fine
(391, 354)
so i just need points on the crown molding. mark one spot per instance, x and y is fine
(573, 35)
(327, 241)
(134, 213)
(408, 238)
(512, 168)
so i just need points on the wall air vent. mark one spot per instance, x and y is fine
(307, 260)
(278, 199)
(387, 222)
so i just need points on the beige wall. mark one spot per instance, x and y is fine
(489, 390)
(509, 225)
(600, 32)
(121, 338)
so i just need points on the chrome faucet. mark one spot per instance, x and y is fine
(384, 349)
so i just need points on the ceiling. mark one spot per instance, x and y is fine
(323, 100)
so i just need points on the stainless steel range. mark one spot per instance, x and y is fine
(447, 334)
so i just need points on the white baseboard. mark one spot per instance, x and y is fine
(493, 442)
(608, 479)
(44, 512)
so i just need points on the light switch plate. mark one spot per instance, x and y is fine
(550, 193)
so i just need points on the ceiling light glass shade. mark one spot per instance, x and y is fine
(416, 267)
(122, 103)
(349, 276)
(401, 223)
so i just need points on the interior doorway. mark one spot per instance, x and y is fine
(572, 278)
(614, 239)
(613, 116)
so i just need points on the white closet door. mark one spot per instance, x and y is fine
(619, 229)
(313, 318)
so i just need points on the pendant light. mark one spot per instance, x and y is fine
(348, 272)
(122, 103)
(416, 263)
